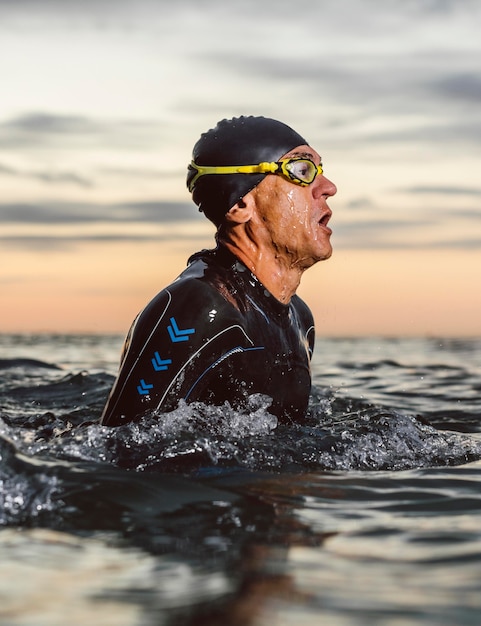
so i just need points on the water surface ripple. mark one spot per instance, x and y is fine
(367, 513)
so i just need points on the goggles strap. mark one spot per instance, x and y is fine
(261, 168)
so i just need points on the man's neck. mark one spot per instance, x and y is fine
(273, 271)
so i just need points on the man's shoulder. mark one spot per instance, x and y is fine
(192, 289)
(193, 296)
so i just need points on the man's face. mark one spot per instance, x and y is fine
(294, 217)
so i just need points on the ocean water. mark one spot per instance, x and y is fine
(369, 513)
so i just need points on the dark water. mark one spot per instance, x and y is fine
(369, 513)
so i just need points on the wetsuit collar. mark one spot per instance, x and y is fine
(228, 260)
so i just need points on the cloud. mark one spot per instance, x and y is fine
(62, 213)
(398, 235)
(382, 75)
(360, 203)
(445, 190)
(49, 243)
(462, 86)
(141, 173)
(40, 123)
(8, 171)
(43, 129)
(449, 131)
(63, 225)
(161, 211)
(404, 96)
(49, 177)
(426, 227)
(55, 177)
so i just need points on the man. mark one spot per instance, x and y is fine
(231, 325)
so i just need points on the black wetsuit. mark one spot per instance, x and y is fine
(214, 334)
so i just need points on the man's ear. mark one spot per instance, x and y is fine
(241, 212)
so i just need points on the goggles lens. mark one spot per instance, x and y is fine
(300, 171)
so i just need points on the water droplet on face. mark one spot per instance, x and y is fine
(290, 198)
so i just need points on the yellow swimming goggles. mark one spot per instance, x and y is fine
(298, 170)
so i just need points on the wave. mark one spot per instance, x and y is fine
(55, 456)
(26, 364)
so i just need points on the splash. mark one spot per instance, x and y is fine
(56, 459)
(195, 436)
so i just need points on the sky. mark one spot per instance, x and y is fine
(102, 102)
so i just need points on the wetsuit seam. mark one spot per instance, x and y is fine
(186, 363)
(257, 308)
(310, 350)
(222, 358)
(141, 352)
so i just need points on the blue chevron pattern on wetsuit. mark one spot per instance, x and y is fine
(214, 335)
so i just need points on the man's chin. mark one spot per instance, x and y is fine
(326, 254)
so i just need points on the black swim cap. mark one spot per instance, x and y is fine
(238, 141)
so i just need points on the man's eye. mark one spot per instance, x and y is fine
(302, 169)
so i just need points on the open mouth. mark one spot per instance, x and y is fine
(325, 219)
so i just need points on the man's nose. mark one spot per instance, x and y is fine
(324, 187)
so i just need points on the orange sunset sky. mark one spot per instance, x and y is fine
(101, 105)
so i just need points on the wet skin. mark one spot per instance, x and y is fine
(281, 228)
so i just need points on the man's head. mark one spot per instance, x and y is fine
(282, 218)
(236, 142)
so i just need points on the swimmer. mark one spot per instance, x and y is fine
(231, 325)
